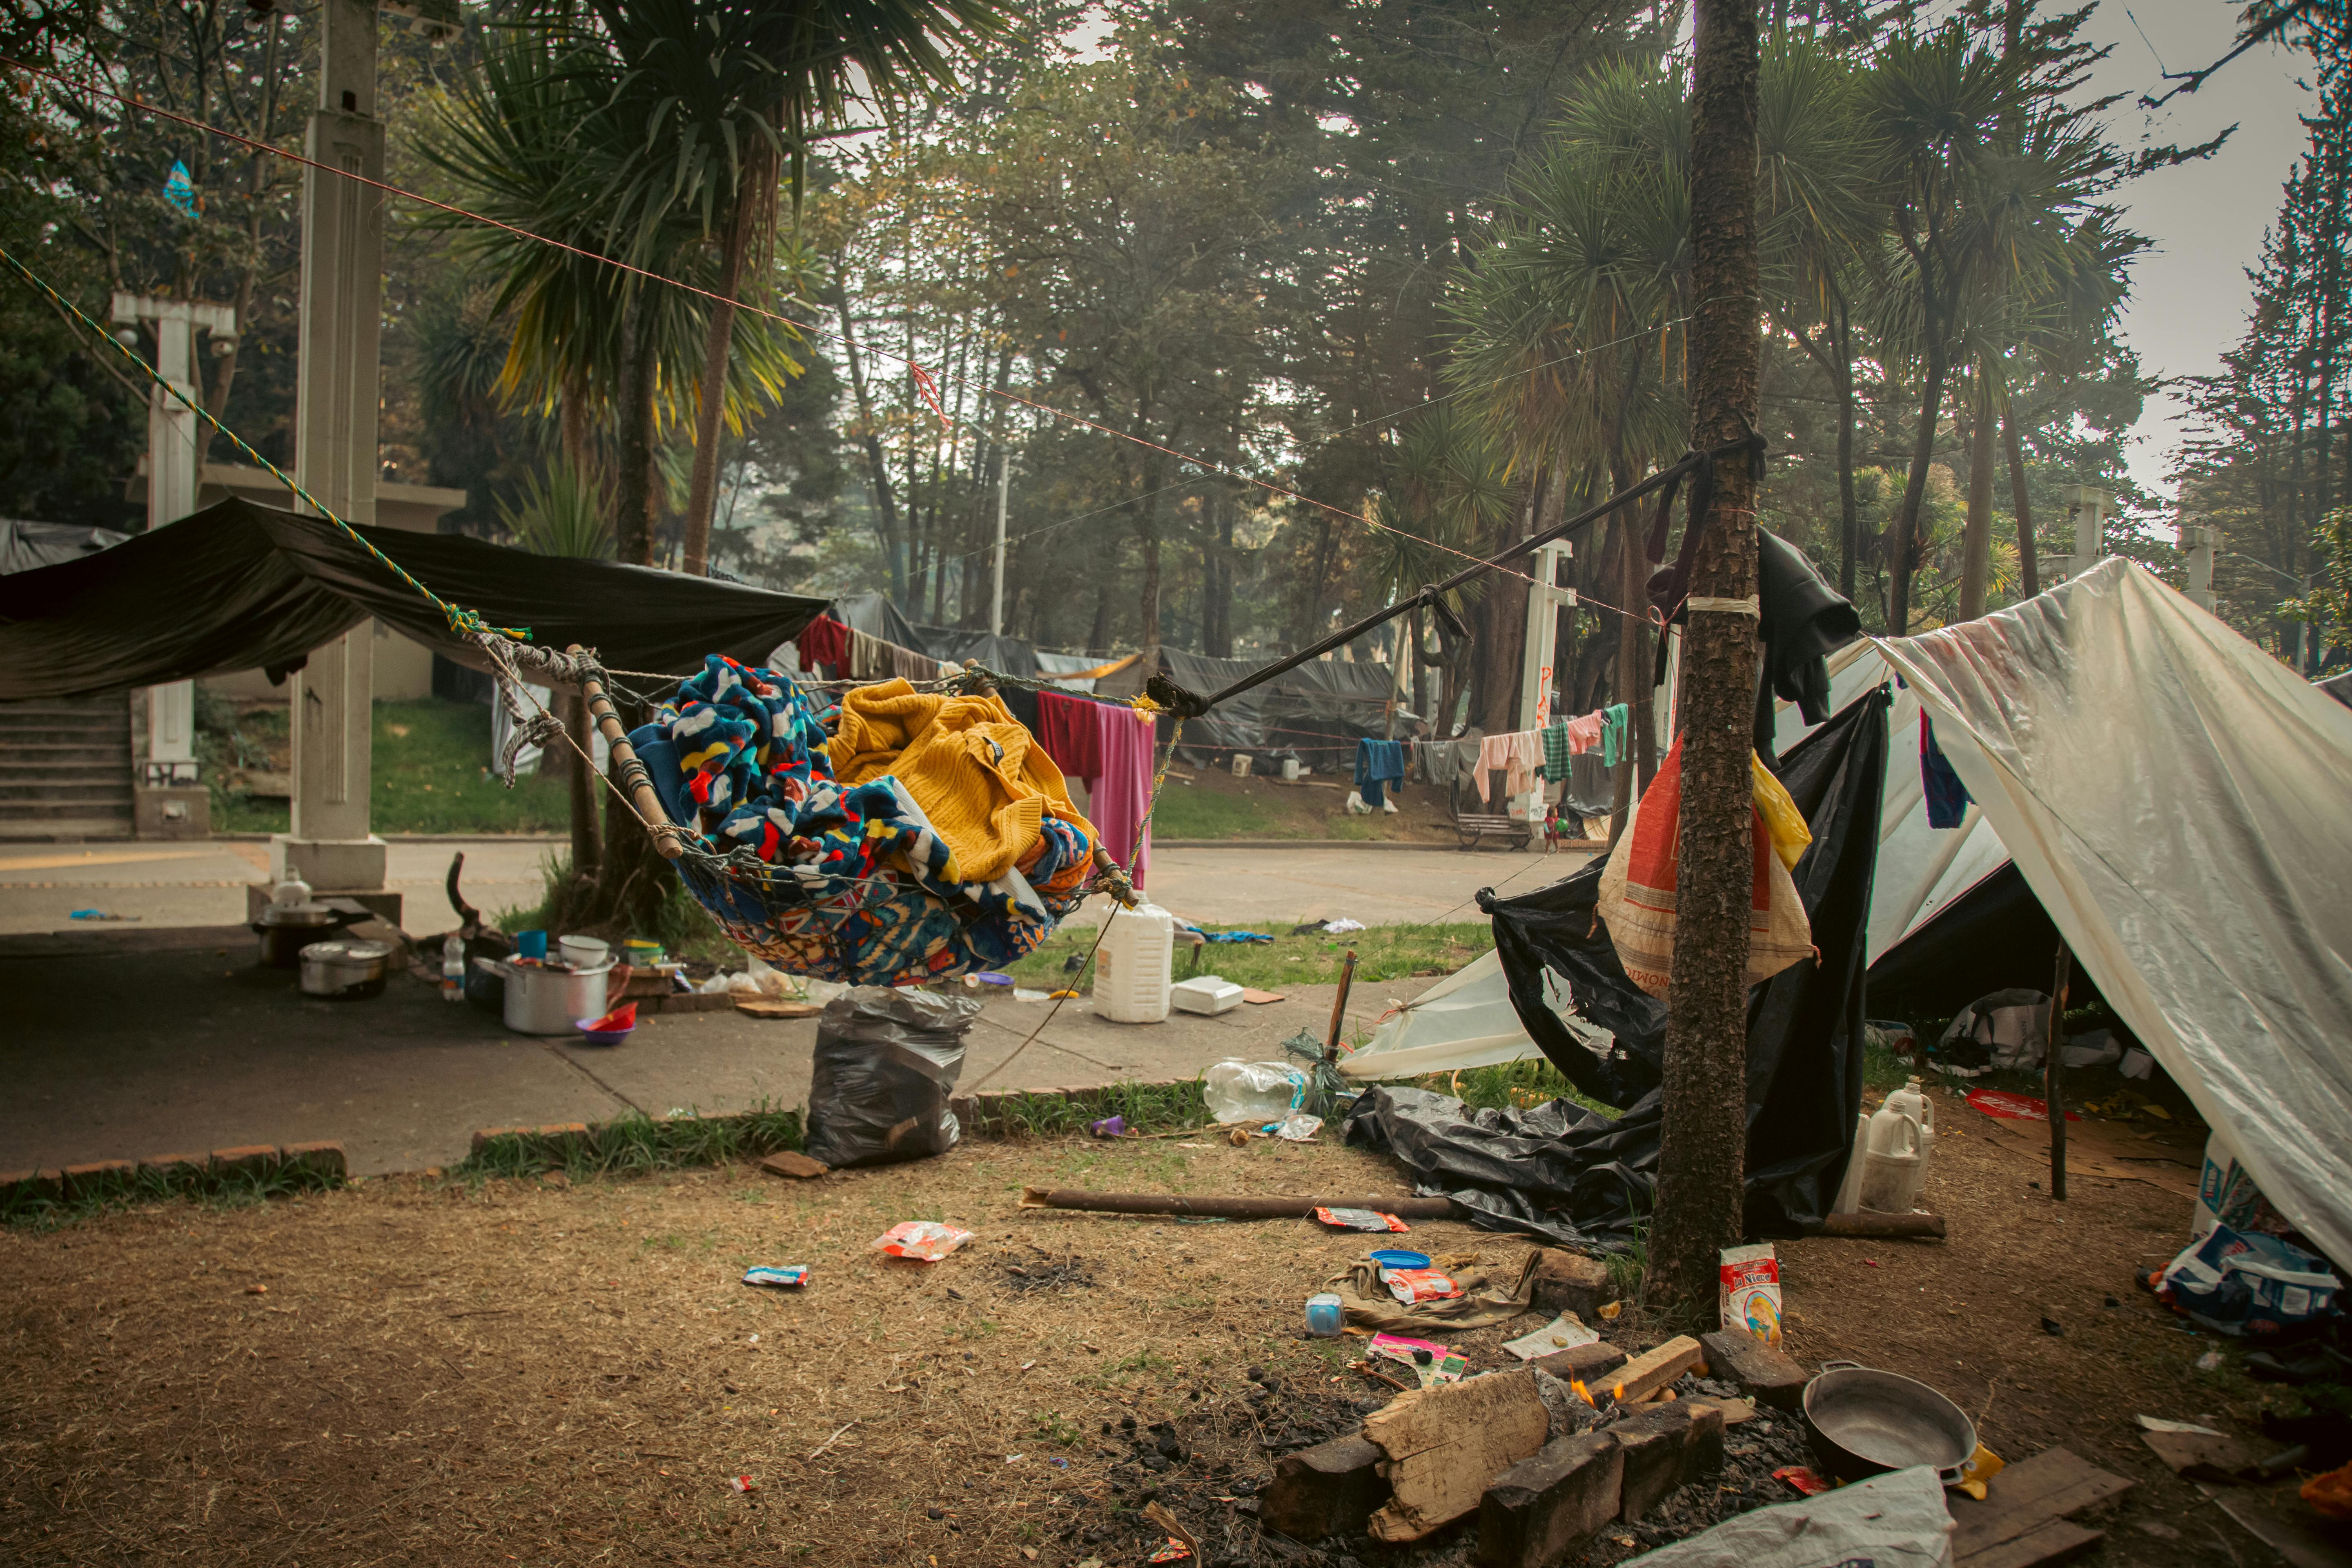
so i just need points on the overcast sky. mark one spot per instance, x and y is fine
(2189, 296)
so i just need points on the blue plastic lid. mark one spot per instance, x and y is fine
(1397, 1258)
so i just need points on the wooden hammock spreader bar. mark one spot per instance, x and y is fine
(668, 837)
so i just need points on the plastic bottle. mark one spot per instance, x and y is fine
(1324, 1319)
(1137, 965)
(1253, 1092)
(1895, 1164)
(453, 968)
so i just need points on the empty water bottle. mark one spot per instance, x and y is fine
(453, 968)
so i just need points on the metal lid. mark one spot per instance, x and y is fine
(357, 952)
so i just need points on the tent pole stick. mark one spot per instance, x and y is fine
(631, 772)
(1339, 1008)
(2052, 1072)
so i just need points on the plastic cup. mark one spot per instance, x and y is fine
(1323, 1317)
(531, 944)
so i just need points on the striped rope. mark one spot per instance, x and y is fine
(462, 621)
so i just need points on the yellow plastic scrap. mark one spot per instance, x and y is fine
(1782, 819)
(1982, 1466)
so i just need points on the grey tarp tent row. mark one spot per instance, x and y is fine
(240, 586)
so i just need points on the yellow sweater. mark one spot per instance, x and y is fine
(974, 769)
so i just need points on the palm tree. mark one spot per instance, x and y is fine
(732, 95)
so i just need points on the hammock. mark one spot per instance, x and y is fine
(892, 837)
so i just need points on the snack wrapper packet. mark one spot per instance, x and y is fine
(1360, 1219)
(1413, 1284)
(925, 1240)
(1750, 1300)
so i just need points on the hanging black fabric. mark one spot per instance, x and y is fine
(1580, 1178)
(1316, 711)
(241, 587)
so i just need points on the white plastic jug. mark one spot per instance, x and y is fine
(1137, 965)
(1895, 1160)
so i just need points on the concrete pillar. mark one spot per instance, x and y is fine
(172, 447)
(2089, 508)
(335, 450)
(2199, 542)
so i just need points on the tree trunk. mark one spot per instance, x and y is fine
(1976, 545)
(632, 479)
(1849, 508)
(2027, 547)
(877, 465)
(1703, 1130)
(1506, 608)
(1906, 551)
(755, 187)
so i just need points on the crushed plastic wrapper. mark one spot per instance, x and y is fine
(743, 1483)
(1803, 1478)
(1174, 1551)
(925, 1240)
(1297, 1126)
(790, 1274)
(1432, 1363)
(1413, 1285)
(1360, 1219)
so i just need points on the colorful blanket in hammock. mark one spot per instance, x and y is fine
(851, 881)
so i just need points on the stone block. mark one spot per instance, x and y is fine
(1571, 1282)
(1330, 1489)
(1666, 1447)
(563, 1130)
(1586, 1363)
(324, 1161)
(97, 1177)
(1762, 1373)
(484, 1136)
(179, 1169)
(1543, 1510)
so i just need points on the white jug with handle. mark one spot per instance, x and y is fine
(1894, 1159)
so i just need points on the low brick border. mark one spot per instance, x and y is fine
(260, 1168)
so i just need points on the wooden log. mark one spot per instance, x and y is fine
(1570, 1283)
(1227, 1207)
(1870, 1223)
(1543, 1510)
(1648, 1374)
(1444, 1444)
(1761, 1372)
(1665, 1449)
(1587, 1365)
(1330, 1489)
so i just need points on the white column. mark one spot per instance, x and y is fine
(2088, 508)
(1544, 599)
(2199, 542)
(173, 447)
(335, 450)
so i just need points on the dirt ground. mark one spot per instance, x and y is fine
(414, 1372)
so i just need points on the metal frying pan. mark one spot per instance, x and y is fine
(1864, 1422)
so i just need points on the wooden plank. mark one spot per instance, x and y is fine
(1444, 1444)
(2205, 1456)
(2281, 1521)
(2029, 1494)
(2058, 1540)
(775, 1007)
(1648, 1373)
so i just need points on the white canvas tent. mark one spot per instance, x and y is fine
(2182, 806)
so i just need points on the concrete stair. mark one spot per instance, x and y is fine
(64, 768)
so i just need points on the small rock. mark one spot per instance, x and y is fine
(2160, 1530)
(2054, 1327)
(2112, 1302)
(954, 1294)
(1156, 1463)
(934, 1513)
(2035, 1185)
(1255, 1375)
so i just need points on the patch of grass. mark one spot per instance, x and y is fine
(635, 1144)
(1513, 1086)
(431, 773)
(1148, 1107)
(1307, 958)
(1052, 1426)
(110, 1191)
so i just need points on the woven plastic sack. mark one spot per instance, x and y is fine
(886, 1062)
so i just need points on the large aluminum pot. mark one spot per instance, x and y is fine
(551, 1001)
(1864, 1422)
(285, 930)
(345, 970)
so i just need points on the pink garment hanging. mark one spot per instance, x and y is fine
(1584, 734)
(1519, 754)
(1108, 745)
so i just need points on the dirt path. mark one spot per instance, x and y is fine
(534, 1373)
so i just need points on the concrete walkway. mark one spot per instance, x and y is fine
(129, 1040)
(204, 883)
(128, 1044)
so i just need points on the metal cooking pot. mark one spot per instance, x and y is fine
(285, 930)
(1864, 1422)
(346, 971)
(551, 1001)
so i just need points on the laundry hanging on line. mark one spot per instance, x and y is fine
(1519, 754)
(1947, 797)
(1377, 762)
(1108, 745)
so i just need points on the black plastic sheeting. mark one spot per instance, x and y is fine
(1994, 937)
(28, 546)
(1582, 1179)
(1315, 712)
(240, 586)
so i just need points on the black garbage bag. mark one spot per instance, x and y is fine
(886, 1061)
(1585, 1179)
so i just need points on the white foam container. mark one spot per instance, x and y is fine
(1208, 994)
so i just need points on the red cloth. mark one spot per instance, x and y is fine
(822, 641)
(1107, 746)
(1071, 734)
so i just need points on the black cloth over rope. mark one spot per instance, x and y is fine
(1561, 1171)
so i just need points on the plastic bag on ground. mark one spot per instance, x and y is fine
(2250, 1285)
(1253, 1092)
(886, 1061)
(1895, 1520)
